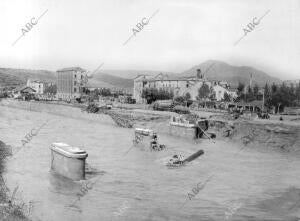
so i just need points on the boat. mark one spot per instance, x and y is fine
(177, 161)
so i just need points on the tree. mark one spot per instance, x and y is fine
(203, 92)
(240, 89)
(250, 95)
(105, 92)
(187, 96)
(50, 89)
(152, 94)
(297, 93)
(255, 91)
(274, 88)
(267, 96)
(226, 97)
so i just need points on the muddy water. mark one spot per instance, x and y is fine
(245, 184)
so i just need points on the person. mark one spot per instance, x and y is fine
(153, 143)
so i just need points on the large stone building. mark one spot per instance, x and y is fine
(70, 83)
(179, 86)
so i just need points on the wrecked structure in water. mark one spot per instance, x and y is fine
(147, 137)
(189, 128)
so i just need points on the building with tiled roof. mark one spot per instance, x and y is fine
(180, 86)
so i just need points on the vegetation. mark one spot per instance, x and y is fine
(227, 97)
(276, 96)
(248, 94)
(282, 96)
(203, 92)
(50, 89)
(152, 94)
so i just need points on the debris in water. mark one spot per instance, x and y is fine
(177, 161)
(140, 134)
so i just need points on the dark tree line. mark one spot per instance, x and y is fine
(280, 96)
(250, 94)
(276, 96)
(153, 94)
(50, 89)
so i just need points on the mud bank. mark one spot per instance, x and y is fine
(278, 136)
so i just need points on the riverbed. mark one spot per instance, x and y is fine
(238, 183)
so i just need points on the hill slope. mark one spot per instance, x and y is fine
(232, 74)
(15, 77)
(107, 80)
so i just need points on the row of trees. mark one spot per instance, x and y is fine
(276, 96)
(282, 96)
(250, 94)
(153, 94)
(50, 89)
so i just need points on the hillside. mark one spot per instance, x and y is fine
(108, 80)
(131, 74)
(232, 74)
(15, 77)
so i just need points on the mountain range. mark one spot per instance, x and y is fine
(212, 69)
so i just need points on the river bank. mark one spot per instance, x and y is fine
(276, 134)
(10, 207)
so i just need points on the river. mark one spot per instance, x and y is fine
(241, 184)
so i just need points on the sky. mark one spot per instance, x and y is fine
(181, 34)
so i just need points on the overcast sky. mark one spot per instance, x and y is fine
(182, 34)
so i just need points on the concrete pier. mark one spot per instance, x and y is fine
(181, 130)
(68, 161)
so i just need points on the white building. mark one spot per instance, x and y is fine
(179, 86)
(38, 86)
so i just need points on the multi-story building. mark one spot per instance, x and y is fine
(38, 86)
(71, 83)
(179, 86)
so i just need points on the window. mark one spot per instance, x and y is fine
(75, 76)
(75, 90)
(74, 83)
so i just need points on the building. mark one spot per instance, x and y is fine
(71, 83)
(180, 86)
(38, 86)
(22, 92)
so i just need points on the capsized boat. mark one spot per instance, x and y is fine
(177, 161)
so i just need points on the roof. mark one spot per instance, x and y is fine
(71, 69)
(171, 79)
(27, 89)
(37, 81)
